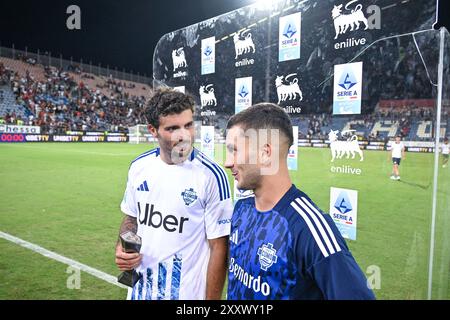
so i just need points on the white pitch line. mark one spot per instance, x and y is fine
(52, 255)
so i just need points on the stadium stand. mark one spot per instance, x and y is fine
(60, 100)
(9, 106)
(397, 102)
(413, 123)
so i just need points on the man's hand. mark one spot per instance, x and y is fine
(127, 261)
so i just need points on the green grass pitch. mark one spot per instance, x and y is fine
(65, 198)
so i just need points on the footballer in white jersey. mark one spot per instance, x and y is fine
(445, 147)
(397, 154)
(181, 207)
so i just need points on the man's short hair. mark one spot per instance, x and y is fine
(264, 116)
(166, 101)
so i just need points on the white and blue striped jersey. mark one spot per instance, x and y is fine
(178, 208)
(293, 251)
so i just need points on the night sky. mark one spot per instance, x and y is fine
(117, 33)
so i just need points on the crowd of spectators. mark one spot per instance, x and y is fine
(60, 103)
(317, 126)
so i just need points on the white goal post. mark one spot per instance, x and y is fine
(139, 134)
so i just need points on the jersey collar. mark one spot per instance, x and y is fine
(286, 199)
(194, 153)
(283, 202)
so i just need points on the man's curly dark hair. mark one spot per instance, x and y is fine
(167, 101)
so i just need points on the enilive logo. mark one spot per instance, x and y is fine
(340, 148)
(289, 90)
(342, 22)
(245, 45)
(207, 96)
(351, 20)
(178, 58)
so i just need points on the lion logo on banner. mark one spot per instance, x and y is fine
(178, 58)
(288, 91)
(344, 21)
(207, 96)
(341, 147)
(242, 46)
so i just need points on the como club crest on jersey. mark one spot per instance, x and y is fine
(267, 256)
(189, 196)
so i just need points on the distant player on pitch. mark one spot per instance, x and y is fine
(397, 154)
(445, 147)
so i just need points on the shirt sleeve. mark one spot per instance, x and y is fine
(324, 257)
(340, 278)
(219, 206)
(128, 204)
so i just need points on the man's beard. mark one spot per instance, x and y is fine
(181, 151)
(250, 181)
